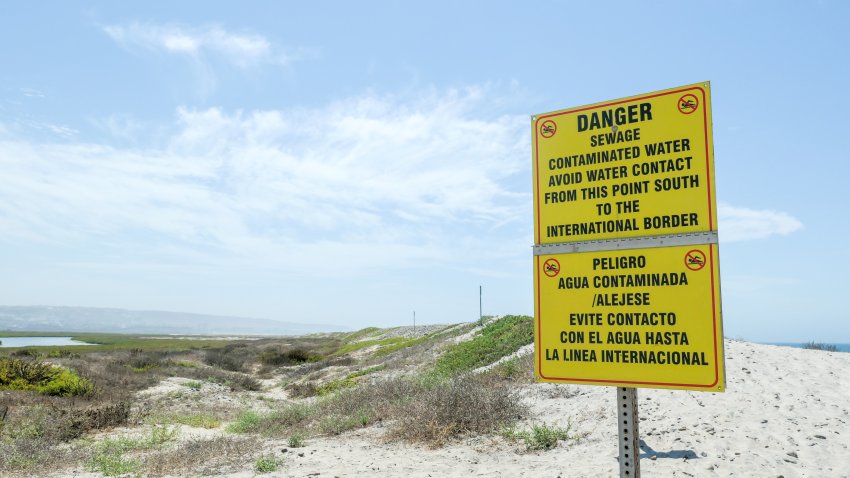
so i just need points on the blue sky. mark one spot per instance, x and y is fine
(350, 162)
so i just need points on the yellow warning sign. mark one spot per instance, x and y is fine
(630, 318)
(637, 166)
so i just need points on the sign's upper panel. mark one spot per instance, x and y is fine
(637, 166)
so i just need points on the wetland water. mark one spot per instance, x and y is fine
(38, 341)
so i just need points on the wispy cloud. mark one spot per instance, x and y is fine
(370, 182)
(240, 49)
(32, 93)
(742, 224)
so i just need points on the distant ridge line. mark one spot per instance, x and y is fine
(115, 320)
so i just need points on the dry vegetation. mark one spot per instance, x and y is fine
(192, 411)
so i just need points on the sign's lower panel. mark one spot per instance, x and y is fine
(632, 318)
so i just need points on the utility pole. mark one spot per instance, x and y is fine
(414, 321)
(480, 309)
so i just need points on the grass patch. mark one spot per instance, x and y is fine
(360, 334)
(266, 464)
(540, 437)
(108, 455)
(349, 381)
(246, 422)
(496, 340)
(389, 345)
(355, 346)
(335, 386)
(275, 423)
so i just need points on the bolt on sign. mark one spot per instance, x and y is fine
(626, 279)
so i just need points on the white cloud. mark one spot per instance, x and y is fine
(370, 182)
(742, 224)
(242, 50)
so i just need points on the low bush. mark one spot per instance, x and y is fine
(462, 405)
(266, 464)
(302, 389)
(139, 360)
(430, 411)
(276, 357)
(540, 437)
(225, 359)
(296, 440)
(72, 423)
(44, 378)
(821, 346)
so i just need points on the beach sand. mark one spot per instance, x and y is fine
(785, 414)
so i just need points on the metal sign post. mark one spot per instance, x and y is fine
(627, 419)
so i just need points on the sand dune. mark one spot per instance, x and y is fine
(786, 413)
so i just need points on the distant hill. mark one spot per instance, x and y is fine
(90, 319)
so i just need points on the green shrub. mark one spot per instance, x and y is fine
(266, 464)
(296, 441)
(44, 378)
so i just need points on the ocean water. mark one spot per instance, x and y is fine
(38, 341)
(799, 345)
